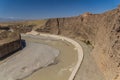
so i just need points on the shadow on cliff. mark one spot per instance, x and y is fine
(23, 45)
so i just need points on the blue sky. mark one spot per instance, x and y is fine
(39, 9)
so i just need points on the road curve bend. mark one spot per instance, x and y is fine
(78, 48)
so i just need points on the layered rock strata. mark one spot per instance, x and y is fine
(102, 31)
(10, 42)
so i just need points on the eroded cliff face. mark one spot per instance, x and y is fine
(101, 30)
(107, 45)
(83, 27)
(9, 43)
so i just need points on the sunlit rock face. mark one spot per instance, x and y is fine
(102, 31)
(10, 42)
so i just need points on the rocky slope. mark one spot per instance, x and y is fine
(100, 30)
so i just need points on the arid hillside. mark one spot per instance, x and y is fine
(102, 31)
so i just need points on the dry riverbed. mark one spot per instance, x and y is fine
(66, 60)
(31, 63)
(27, 61)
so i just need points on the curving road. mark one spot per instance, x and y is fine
(77, 47)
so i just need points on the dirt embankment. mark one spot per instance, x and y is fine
(100, 30)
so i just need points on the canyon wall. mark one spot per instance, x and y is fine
(102, 31)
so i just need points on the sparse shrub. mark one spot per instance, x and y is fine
(87, 42)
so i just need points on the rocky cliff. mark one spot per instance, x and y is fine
(9, 43)
(102, 31)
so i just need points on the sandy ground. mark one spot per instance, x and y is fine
(76, 45)
(30, 59)
(66, 60)
(89, 69)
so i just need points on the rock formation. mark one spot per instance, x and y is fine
(22, 28)
(100, 30)
(9, 42)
